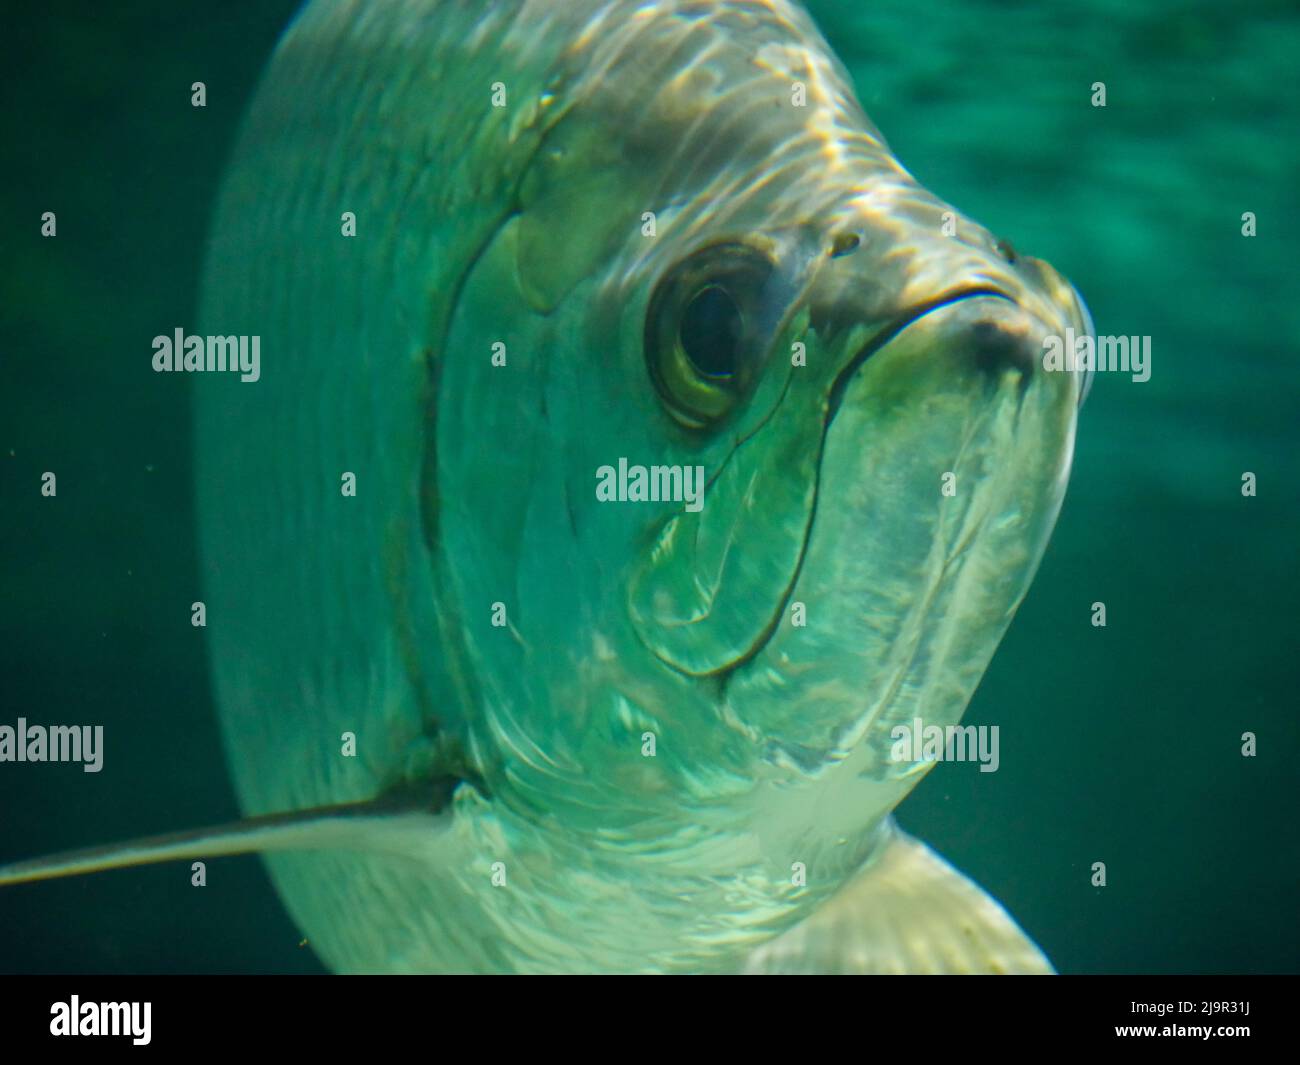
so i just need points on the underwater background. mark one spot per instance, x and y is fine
(1120, 744)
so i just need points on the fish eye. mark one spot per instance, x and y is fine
(702, 341)
(711, 332)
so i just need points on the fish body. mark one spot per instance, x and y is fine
(640, 735)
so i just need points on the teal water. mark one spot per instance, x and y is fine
(1119, 745)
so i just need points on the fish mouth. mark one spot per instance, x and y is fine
(885, 335)
(911, 587)
(849, 372)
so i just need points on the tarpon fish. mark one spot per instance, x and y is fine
(482, 718)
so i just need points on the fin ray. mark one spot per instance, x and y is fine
(364, 826)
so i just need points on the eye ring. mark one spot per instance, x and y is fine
(703, 344)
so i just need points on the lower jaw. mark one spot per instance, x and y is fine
(907, 589)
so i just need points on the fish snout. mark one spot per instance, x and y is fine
(986, 335)
(1003, 339)
(1059, 303)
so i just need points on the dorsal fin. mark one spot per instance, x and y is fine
(387, 825)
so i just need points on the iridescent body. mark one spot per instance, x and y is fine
(887, 344)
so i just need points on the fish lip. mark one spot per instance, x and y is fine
(882, 338)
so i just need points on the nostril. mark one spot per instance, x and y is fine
(844, 244)
(999, 346)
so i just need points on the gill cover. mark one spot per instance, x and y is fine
(711, 586)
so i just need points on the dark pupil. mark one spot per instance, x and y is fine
(710, 332)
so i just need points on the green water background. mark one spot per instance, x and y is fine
(1119, 744)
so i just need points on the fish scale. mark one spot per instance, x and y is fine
(501, 813)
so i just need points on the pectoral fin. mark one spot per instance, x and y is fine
(368, 826)
(908, 911)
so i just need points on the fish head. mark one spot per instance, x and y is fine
(893, 457)
(931, 451)
(842, 376)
